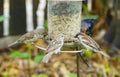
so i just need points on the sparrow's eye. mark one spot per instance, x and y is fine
(76, 36)
(63, 35)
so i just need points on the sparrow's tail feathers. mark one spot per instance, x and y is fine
(14, 43)
(104, 54)
(47, 57)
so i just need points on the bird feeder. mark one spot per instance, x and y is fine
(64, 17)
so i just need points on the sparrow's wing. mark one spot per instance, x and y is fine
(22, 39)
(34, 35)
(30, 36)
(89, 43)
(39, 33)
(92, 45)
(54, 45)
(86, 41)
(25, 37)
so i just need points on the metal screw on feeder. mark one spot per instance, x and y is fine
(64, 17)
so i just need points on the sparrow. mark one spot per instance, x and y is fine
(54, 47)
(89, 43)
(30, 37)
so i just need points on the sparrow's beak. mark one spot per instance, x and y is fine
(76, 36)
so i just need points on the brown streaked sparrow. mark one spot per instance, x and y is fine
(30, 37)
(89, 43)
(54, 47)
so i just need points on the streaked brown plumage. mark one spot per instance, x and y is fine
(89, 43)
(30, 37)
(54, 47)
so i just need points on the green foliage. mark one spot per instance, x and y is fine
(2, 18)
(29, 47)
(5, 74)
(24, 55)
(72, 75)
(38, 58)
(107, 68)
(29, 52)
(90, 16)
(85, 8)
(88, 53)
(89, 75)
(116, 73)
(39, 75)
(19, 54)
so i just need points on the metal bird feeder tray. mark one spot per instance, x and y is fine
(64, 17)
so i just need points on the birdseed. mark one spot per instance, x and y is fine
(64, 17)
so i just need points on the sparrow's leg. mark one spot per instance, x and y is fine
(82, 57)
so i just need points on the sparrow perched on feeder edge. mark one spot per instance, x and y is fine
(54, 47)
(89, 43)
(30, 37)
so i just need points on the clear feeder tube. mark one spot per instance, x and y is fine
(64, 17)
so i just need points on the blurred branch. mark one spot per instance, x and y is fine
(29, 14)
(89, 5)
(40, 14)
(6, 16)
